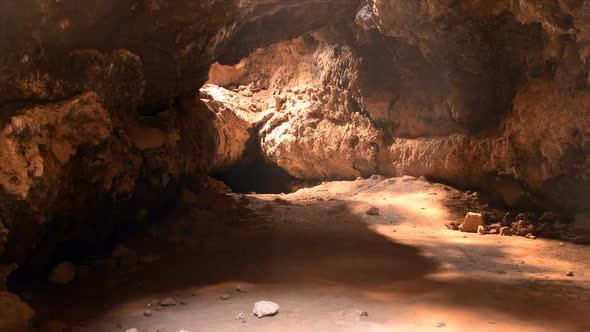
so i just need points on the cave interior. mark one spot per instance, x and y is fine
(274, 165)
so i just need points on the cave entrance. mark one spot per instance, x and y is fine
(254, 174)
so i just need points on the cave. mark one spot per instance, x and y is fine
(274, 165)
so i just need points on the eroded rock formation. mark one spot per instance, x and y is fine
(482, 95)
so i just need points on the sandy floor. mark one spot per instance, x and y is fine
(324, 260)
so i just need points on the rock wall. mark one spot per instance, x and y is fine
(486, 95)
(100, 114)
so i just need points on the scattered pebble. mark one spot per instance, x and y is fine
(360, 313)
(373, 211)
(561, 244)
(225, 296)
(147, 313)
(530, 236)
(570, 273)
(505, 231)
(265, 309)
(441, 324)
(241, 317)
(132, 330)
(63, 273)
(167, 302)
(481, 230)
(240, 289)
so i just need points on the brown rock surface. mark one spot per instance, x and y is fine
(15, 315)
(472, 223)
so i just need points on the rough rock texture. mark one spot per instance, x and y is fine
(472, 223)
(265, 309)
(313, 125)
(98, 111)
(513, 77)
(15, 315)
(488, 95)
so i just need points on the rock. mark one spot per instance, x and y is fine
(441, 324)
(265, 309)
(132, 330)
(495, 227)
(282, 201)
(240, 289)
(530, 236)
(373, 211)
(241, 317)
(167, 302)
(15, 315)
(481, 230)
(63, 273)
(147, 313)
(505, 231)
(522, 228)
(471, 222)
(549, 217)
(360, 313)
(453, 225)
(582, 239)
(225, 296)
(570, 273)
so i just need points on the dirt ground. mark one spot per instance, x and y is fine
(318, 255)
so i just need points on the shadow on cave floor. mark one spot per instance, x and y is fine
(318, 255)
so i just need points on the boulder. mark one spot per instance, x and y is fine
(15, 315)
(472, 222)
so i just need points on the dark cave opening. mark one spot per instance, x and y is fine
(253, 173)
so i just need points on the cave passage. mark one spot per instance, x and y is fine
(254, 174)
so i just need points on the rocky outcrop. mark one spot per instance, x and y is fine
(311, 118)
(483, 95)
(15, 315)
(98, 108)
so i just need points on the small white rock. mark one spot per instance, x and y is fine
(265, 309)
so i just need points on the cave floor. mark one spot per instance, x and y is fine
(324, 260)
